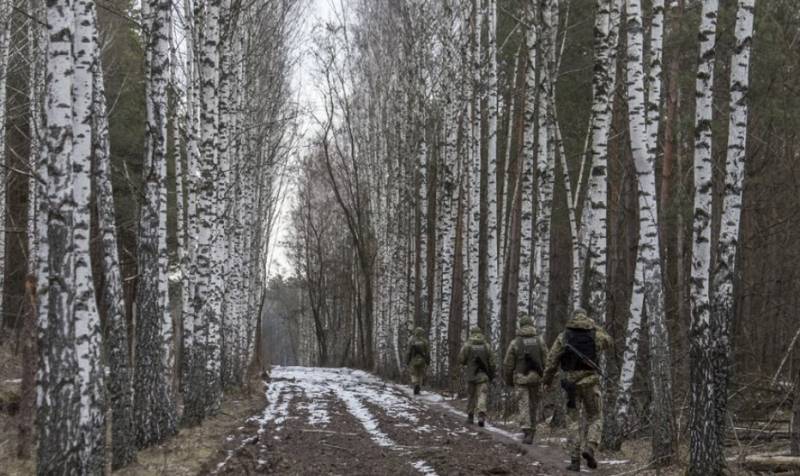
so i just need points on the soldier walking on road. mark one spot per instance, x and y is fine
(418, 358)
(476, 356)
(523, 367)
(576, 351)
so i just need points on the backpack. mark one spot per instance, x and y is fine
(479, 360)
(417, 349)
(582, 341)
(530, 351)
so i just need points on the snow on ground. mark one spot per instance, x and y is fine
(423, 468)
(354, 388)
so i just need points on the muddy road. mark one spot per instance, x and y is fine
(348, 422)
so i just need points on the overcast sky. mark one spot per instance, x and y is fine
(318, 11)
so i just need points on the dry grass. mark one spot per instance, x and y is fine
(185, 454)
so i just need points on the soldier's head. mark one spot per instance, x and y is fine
(419, 332)
(476, 331)
(580, 313)
(524, 319)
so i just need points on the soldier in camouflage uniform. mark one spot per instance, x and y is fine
(523, 367)
(576, 351)
(476, 356)
(418, 358)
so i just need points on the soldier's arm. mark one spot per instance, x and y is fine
(462, 355)
(542, 351)
(492, 359)
(427, 352)
(553, 358)
(508, 364)
(606, 343)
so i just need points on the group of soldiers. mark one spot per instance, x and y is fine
(529, 367)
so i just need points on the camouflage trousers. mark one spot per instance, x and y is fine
(584, 422)
(527, 405)
(478, 393)
(417, 374)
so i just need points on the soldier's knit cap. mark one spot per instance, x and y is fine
(524, 320)
(579, 311)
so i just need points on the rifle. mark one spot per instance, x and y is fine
(586, 360)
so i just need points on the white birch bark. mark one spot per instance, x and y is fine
(545, 167)
(494, 266)
(153, 410)
(474, 209)
(58, 391)
(528, 164)
(647, 294)
(723, 276)
(87, 321)
(704, 451)
(120, 396)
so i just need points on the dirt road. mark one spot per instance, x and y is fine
(342, 421)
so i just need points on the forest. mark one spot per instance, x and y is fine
(434, 164)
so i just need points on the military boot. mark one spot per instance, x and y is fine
(416, 389)
(575, 465)
(527, 437)
(470, 419)
(481, 419)
(588, 455)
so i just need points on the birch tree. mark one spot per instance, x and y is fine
(58, 393)
(648, 294)
(712, 288)
(87, 321)
(120, 396)
(703, 442)
(153, 408)
(528, 164)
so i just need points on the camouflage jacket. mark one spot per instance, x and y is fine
(603, 343)
(473, 374)
(514, 363)
(418, 353)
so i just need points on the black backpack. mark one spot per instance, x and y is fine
(530, 350)
(580, 351)
(479, 354)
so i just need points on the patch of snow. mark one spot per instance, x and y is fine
(356, 389)
(423, 468)
(424, 429)
(613, 461)
(367, 420)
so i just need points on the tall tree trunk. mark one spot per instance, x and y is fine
(58, 402)
(87, 320)
(494, 240)
(118, 385)
(705, 453)
(528, 164)
(153, 408)
(545, 165)
(648, 294)
(474, 312)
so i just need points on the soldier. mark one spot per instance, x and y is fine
(418, 358)
(523, 367)
(477, 357)
(576, 351)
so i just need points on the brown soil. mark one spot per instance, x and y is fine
(438, 438)
(193, 448)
